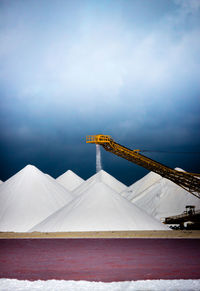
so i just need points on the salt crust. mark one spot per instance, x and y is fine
(61, 285)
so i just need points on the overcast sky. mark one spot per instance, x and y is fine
(68, 69)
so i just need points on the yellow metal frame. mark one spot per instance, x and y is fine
(188, 181)
(98, 139)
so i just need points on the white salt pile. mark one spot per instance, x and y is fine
(99, 208)
(33, 200)
(1, 182)
(141, 185)
(159, 196)
(70, 180)
(29, 197)
(103, 177)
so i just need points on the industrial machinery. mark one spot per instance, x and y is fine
(189, 216)
(188, 181)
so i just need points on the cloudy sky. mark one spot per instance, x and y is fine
(68, 69)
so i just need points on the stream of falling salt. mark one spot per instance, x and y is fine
(98, 158)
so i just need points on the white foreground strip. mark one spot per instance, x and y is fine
(51, 285)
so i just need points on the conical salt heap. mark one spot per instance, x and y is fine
(29, 197)
(160, 197)
(140, 186)
(70, 180)
(99, 208)
(104, 177)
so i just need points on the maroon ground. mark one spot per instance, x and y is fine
(100, 259)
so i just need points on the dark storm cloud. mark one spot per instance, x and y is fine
(72, 68)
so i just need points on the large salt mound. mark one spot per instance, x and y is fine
(99, 208)
(104, 177)
(162, 198)
(70, 180)
(29, 197)
(1, 182)
(141, 185)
